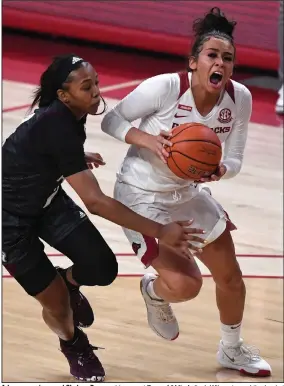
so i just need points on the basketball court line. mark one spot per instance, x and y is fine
(258, 294)
(259, 267)
(116, 92)
(132, 267)
(105, 89)
(15, 108)
(132, 275)
(238, 255)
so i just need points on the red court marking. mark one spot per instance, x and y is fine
(119, 93)
(205, 276)
(208, 276)
(238, 255)
(263, 108)
(25, 58)
(263, 111)
(115, 91)
(15, 108)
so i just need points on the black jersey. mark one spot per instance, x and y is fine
(44, 149)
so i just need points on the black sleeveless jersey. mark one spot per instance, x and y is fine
(47, 147)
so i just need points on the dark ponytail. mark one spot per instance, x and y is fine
(54, 78)
(214, 24)
(45, 94)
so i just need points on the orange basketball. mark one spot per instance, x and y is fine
(196, 151)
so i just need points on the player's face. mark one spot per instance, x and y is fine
(214, 65)
(83, 92)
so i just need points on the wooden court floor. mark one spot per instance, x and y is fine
(132, 351)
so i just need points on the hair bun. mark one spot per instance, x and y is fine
(215, 20)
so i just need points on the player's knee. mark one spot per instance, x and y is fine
(100, 273)
(185, 287)
(108, 272)
(231, 280)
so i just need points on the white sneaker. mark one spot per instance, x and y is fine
(246, 359)
(279, 108)
(160, 315)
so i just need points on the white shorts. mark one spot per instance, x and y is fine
(187, 203)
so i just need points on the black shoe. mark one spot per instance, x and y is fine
(84, 364)
(83, 314)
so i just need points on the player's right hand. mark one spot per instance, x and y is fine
(157, 144)
(180, 235)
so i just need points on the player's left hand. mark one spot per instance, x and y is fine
(94, 160)
(220, 171)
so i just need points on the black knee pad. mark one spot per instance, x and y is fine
(101, 274)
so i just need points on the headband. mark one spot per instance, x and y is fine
(68, 65)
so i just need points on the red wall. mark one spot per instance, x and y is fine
(161, 26)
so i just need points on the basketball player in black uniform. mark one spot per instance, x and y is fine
(45, 149)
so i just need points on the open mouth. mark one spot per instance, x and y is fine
(96, 103)
(94, 107)
(216, 78)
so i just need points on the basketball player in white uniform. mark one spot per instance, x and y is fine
(204, 94)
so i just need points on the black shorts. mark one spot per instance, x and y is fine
(23, 251)
(21, 246)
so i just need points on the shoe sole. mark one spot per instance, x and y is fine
(152, 327)
(97, 379)
(81, 325)
(260, 373)
(245, 371)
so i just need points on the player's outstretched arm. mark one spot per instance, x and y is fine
(175, 234)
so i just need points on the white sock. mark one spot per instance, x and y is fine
(230, 335)
(150, 291)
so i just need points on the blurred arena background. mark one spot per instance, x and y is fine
(138, 39)
(160, 26)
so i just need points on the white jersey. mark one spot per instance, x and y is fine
(163, 102)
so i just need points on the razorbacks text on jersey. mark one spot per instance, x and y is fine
(165, 101)
(46, 147)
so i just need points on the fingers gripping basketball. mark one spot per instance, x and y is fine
(196, 151)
